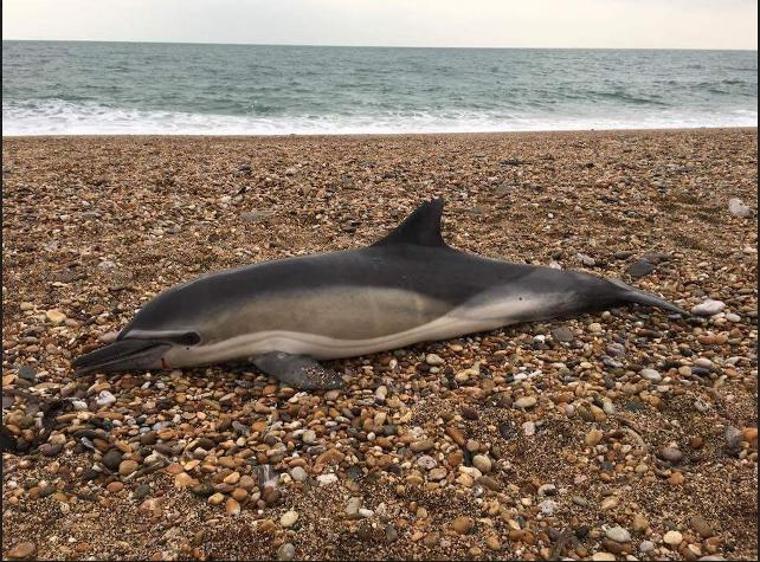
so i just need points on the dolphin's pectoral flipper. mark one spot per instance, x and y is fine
(299, 371)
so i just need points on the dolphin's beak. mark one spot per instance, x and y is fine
(123, 355)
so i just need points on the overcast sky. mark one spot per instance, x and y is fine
(699, 24)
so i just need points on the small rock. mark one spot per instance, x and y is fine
(670, 454)
(286, 552)
(646, 546)
(603, 557)
(618, 534)
(709, 307)
(563, 334)
(482, 463)
(127, 467)
(56, 317)
(112, 459)
(586, 260)
(737, 208)
(289, 519)
(673, 538)
(298, 474)
(327, 479)
(352, 509)
(22, 550)
(593, 437)
(309, 437)
(462, 524)
(105, 398)
(641, 268)
(433, 360)
(651, 375)
(525, 402)
(702, 526)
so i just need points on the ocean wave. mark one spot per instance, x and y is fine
(58, 117)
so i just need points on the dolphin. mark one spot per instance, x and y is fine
(409, 287)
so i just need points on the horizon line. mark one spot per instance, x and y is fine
(130, 41)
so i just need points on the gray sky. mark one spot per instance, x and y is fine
(699, 24)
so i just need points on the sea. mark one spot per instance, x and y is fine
(78, 88)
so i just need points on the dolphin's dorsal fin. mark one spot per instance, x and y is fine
(421, 228)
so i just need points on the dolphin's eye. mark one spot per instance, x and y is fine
(188, 338)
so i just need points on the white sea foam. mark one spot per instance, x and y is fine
(54, 117)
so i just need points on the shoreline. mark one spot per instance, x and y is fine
(622, 418)
(372, 135)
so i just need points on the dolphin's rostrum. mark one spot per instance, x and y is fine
(409, 287)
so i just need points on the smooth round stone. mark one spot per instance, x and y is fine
(327, 479)
(289, 519)
(671, 454)
(548, 507)
(673, 538)
(709, 307)
(603, 557)
(618, 534)
(433, 360)
(105, 398)
(309, 437)
(525, 402)
(286, 552)
(482, 463)
(646, 546)
(427, 462)
(650, 375)
(298, 474)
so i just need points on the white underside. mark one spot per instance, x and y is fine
(464, 320)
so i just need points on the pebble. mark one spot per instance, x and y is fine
(709, 307)
(673, 538)
(127, 467)
(525, 402)
(309, 437)
(289, 519)
(105, 398)
(651, 375)
(593, 437)
(433, 360)
(286, 552)
(671, 454)
(482, 463)
(298, 474)
(646, 546)
(640, 268)
(22, 550)
(618, 534)
(55, 316)
(462, 524)
(563, 334)
(737, 208)
(603, 557)
(702, 526)
(421, 446)
(327, 479)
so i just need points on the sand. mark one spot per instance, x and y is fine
(622, 433)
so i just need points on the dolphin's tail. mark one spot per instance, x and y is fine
(632, 294)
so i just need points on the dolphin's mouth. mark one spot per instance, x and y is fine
(123, 355)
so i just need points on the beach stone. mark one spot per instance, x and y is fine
(702, 526)
(286, 552)
(671, 454)
(421, 446)
(353, 506)
(525, 402)
(673, 538)
(112, 459)
(737, 208)
(22, 551)
(641, 268)
(327, 479)
(709, 307)
(482, 463)
(462, 524)
(427, 462)
(309, 437)
(433, 360)
(646, 546)
(298, 474)
(651, 375)
(55, 316)
(618, 534)
(563, 334)
(603, 557)
(105, 398)
(127, 467)
(289, 519)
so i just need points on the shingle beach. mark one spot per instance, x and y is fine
(626, 434)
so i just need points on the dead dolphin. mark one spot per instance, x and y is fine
(409, 287)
